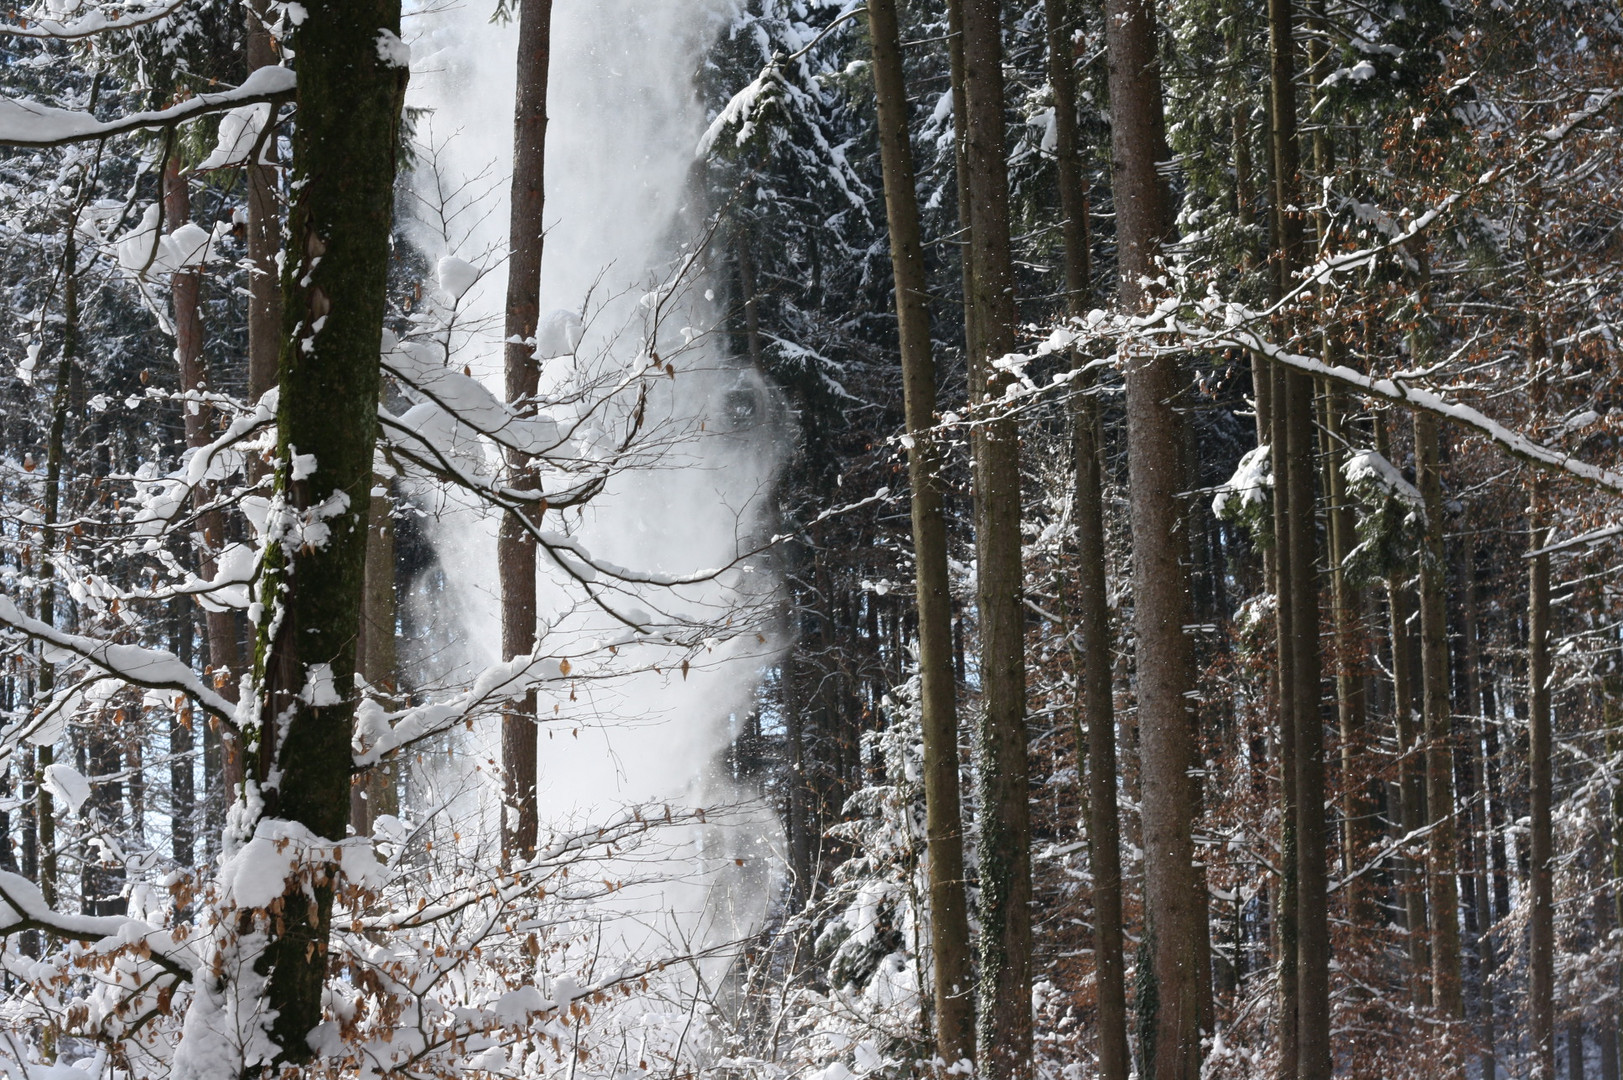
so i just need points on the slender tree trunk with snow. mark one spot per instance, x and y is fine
(55, 449)
(515, 547)
(1541, 916)
(350, 91)
(1481, 827)
(949, 920)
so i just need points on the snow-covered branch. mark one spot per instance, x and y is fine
(100, 20)
(23, 907)
(29, 123)
(154, 669)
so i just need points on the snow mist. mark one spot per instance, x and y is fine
(624, 122)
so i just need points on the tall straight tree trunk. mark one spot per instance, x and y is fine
(1287, 919)
(334, 281)
(182, 740)
(185, 289)
(1360, 798)
(264, 356)
(1294, 472)
(1098, 709)
(1482, 824)
(1612, 1040)
(1003, 1008)
(1313, 919)
(960, 158)
(515, 547)
(949, 918)
(1171, 998)
(1541, 919)
(1442, 884)
(264, 237)
(55, 449)
(1410, 785)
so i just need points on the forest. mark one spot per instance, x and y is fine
(811, 539)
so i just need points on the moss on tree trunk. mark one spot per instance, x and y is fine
(344, 148)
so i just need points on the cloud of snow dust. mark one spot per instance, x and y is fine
(624, 121)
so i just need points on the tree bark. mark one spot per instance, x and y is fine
(334, 281)
(374, 792)
(949, 919)
(182, 740)
(55, 451)
(1308, 994)
(1003, 1008)
(960, 158)
(1411, 780)
(264, 238)
(185, 289)
(1541, 918)
(1171, 999)
(1482, 825)
(1612, 711)
(515, 548)
(1093, 622)
(1442, 884)
(1313, 926)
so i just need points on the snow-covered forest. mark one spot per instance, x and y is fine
(811, 539)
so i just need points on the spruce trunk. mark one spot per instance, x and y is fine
(949, 919)
(1171, 999)
(1541, 918)
(1442, 884)
(1098, 709)
(1003, 1007)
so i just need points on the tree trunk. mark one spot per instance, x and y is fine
(182, 740)
(1294, 471)
(1313, 920)
(186, 287)
(1442, 884)
(1612, 711)
(1003, 1012)
(1410, 783)
(1171, 999)
(515, 548)
(374, 793)
(334, 280)
(1287, 919)
(1482, 825)
(45, 756)
(949, 919)
(1541, 919)
(1093, 623)
(960, 158)
(264, 238)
